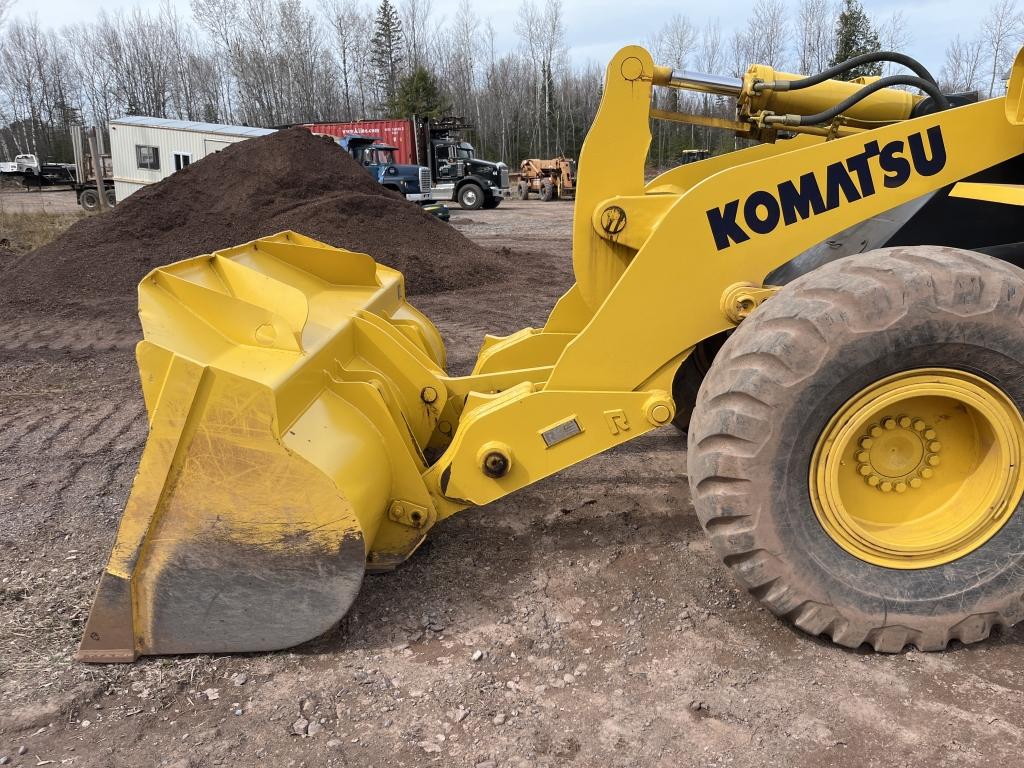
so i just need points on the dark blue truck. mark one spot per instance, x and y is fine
(378, 158)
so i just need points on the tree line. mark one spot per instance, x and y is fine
(278, 62)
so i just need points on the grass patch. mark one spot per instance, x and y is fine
(24, 232)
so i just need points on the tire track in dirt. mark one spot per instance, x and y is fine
(71, 432)
(34, 334)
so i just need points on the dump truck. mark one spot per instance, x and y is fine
(553, 179)
(832, 314)
(412, 181)
(456, 173)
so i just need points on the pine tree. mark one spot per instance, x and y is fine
(855, 35)
(419, 94)
(386, 53)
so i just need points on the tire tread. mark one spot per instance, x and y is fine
(866, 293)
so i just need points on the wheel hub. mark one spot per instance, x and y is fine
(898, 454)
(919, 468)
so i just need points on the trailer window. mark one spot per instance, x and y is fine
(182, 160)
(147, 157)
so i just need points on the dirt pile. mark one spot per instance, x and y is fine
(286, 180)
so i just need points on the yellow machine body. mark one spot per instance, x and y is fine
(303, 427)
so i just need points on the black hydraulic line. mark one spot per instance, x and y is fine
(865, 58)
(829, 114)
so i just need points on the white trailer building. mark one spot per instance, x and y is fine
(145, 150)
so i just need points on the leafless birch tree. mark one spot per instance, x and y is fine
(1000, 31)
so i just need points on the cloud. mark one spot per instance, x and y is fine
(596, 29)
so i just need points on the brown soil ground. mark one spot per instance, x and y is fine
(583, 621)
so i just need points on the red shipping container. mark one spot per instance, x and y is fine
(397, 133)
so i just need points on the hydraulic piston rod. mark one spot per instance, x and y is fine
(700, 82)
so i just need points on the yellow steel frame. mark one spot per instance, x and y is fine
(650, 279)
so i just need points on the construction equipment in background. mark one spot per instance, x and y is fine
(94, 178)
(411, 181)
(35, 173)
(456, 173)
(688, 156)
(855, 432)
(553, 179)
(80, 176)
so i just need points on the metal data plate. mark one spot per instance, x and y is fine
(561, 432)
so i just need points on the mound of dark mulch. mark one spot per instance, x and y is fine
(286, 180)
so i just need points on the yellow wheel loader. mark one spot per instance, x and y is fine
(854, 418)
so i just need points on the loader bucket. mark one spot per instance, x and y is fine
(284, 383)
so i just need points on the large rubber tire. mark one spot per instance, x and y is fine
(523, 190)
(89, 200)
(471, 197)
(547, 191)
(774, 387)
(111, 198)
(687, 381)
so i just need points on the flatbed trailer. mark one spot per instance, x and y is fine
(78, 176)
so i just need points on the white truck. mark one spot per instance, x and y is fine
(79, 176)
(21, 164)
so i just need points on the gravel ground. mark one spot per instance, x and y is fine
(581, 621)
(16, 199)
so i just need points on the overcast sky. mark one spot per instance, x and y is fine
(597, 28)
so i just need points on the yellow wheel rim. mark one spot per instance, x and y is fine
(919, 469)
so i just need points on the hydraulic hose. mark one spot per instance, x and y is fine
(846, 66)
(829, 114)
